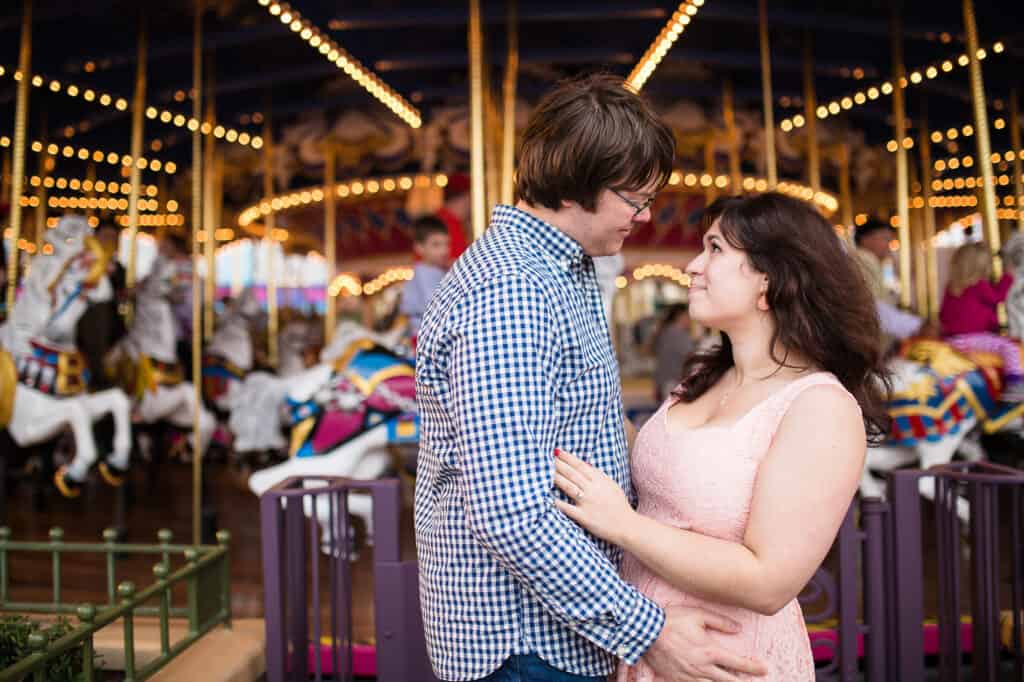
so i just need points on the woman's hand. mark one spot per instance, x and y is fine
(600, 505)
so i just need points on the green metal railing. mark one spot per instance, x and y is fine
(206, 573)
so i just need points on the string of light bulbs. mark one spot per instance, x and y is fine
(968, 160)
(372, 186)
(111, 158)
(337, 55)
(101, 186)
(121, 104)
(673, 28)
(101, 203)
(861, 97)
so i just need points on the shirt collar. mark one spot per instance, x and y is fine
(555, 244)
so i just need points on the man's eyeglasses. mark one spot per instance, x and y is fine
(638, 208)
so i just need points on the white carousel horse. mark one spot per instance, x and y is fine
(228, 356)
(344, 413)
(146, 363)
(941, 403)
(52, 374)
(255, 422)
(294, 340)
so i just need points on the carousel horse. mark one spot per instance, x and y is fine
(342, 414)
(51, 374)
(145, 364)
(294, 341)
(942, 400)
(254, 419)
(228, 357)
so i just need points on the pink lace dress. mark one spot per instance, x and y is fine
(705, 476)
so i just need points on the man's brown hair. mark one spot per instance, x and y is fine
(587, 135)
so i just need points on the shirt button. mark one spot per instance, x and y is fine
(622, 652)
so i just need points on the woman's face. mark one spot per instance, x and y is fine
(724, 287)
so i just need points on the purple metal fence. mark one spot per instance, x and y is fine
(983, 485)
(859, 554)
(292, 546)
(880, 573)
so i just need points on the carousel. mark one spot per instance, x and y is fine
(207, 386)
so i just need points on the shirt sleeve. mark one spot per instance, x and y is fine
(897, 323)
(414, 299)
(504, 370)
(995, 294)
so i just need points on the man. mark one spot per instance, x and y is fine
(514, 360)
(872, 249)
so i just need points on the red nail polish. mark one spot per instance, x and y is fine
(556, 452)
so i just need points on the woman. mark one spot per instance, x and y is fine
(746, 472)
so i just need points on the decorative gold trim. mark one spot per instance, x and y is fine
(368, 386)
(299, 434)
(341, 362)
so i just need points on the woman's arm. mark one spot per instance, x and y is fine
(804, 487)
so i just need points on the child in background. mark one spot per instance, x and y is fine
(430, 244)
(968, 313)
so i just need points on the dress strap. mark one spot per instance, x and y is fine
(780, 403)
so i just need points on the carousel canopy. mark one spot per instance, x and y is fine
(388, 80)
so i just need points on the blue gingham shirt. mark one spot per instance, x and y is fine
(514, 360)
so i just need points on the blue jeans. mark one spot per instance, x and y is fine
(530, 668)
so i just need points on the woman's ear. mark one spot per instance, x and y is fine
(762, 299)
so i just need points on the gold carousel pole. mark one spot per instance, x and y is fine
(330, 248)
(138, 106)
(810, 114)
(729, 114)
(710, 193)
(920, 258)
(767, 98)
(845, 195)
(1018, 191)
(268, 240)
(197, 219)
(209, 218)
(931, 265)
(44, 164)
(988, 209)
(478, 197)
(90, 175)
(18, 168)
(5, 181)
(902, 183)
(508, 143)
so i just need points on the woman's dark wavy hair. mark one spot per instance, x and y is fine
(823, 309)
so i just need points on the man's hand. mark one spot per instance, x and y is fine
(684, 651)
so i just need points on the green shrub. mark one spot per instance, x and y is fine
(14, 634)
